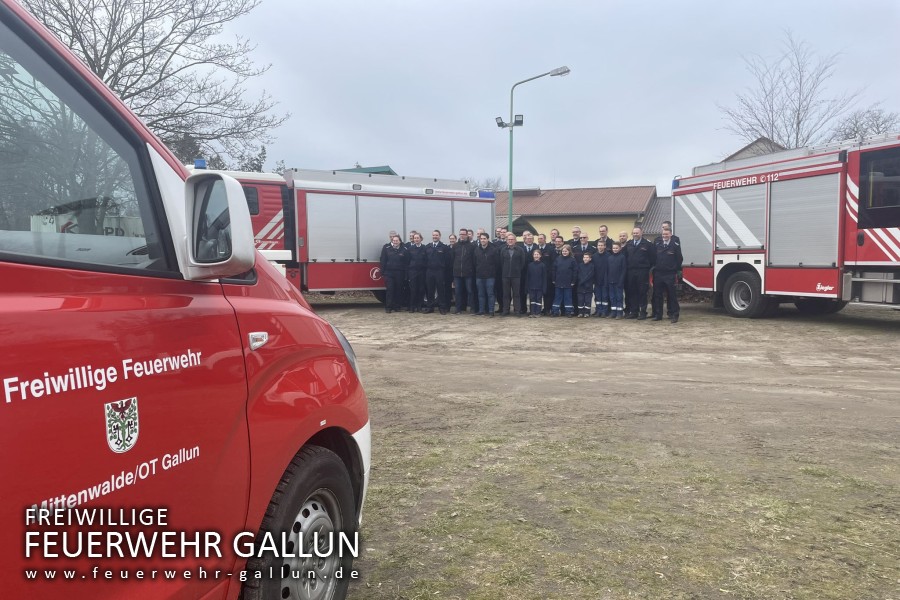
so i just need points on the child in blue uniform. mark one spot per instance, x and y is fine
(564, 268)
(536, 283)
(585, 285)
(615, 277)
(601, 276)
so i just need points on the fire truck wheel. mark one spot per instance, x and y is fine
(743, 296)
(380, 295)
(819, 306)
(315, 496)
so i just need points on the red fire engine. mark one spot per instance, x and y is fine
(326, 228)
(818, 226)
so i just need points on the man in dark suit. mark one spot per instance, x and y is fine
(528, 246)
(640, 258)
(512, 263)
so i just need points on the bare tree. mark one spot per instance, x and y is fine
(863, 123)
(488, 183)
(164, 59)
(789, 102)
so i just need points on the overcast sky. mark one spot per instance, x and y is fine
(417, 84)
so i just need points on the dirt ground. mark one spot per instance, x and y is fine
(565, 458)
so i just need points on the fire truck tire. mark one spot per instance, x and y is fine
(819, 306)
(743, 296)
(314, 495)
(380, 295)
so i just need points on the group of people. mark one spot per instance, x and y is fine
(544, 277)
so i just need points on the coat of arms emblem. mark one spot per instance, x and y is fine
(122, 424)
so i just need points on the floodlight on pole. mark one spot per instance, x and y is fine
(516, 121)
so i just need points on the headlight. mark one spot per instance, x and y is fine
(348, 350)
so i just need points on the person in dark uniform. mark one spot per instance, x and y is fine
(416, 274)
(499, 244)
(666, 225)
(394, 262)
(576, 238)
(603, 230)
(464, 273)
(668, 263)
(384, 248)
(582, 247)
(487, 263)
(437, 257)
(563, 281)
(529, 247)
(548, 253)
(640, 257)
(616, 269)
(512, 262)
(451, 293)
(536, 282)
(585, 285)
(601, 285)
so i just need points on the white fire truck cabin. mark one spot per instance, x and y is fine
(326, 229)
(816, 226)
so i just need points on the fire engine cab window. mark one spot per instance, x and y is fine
(879, 188)
(71, 188)
(252, 196)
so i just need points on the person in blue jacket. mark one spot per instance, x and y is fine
(536, 282)
(487, 263)
(601, 277)
(585, 285)
(615, 277)
(564, 281)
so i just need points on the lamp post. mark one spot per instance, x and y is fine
(517, 121)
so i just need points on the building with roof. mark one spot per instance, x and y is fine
(380, 170)
(660, 210)
(757, 147)
(539, 211)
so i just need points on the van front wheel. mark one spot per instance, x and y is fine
(311, 507)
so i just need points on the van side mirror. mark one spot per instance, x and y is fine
(219, 234)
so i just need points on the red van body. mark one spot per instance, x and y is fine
(157, 377)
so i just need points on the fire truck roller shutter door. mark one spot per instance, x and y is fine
(378, 216)
(741, 217)
(803, 221)
(331, 222)
(425, 216)
(693, 222)
(473, 215)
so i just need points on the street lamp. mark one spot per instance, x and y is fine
(517, 121)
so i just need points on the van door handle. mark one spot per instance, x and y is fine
(860, 238)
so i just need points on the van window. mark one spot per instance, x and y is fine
(71, 187)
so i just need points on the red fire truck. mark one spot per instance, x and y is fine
(176, 422)
(818, 226)
(326, 228)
